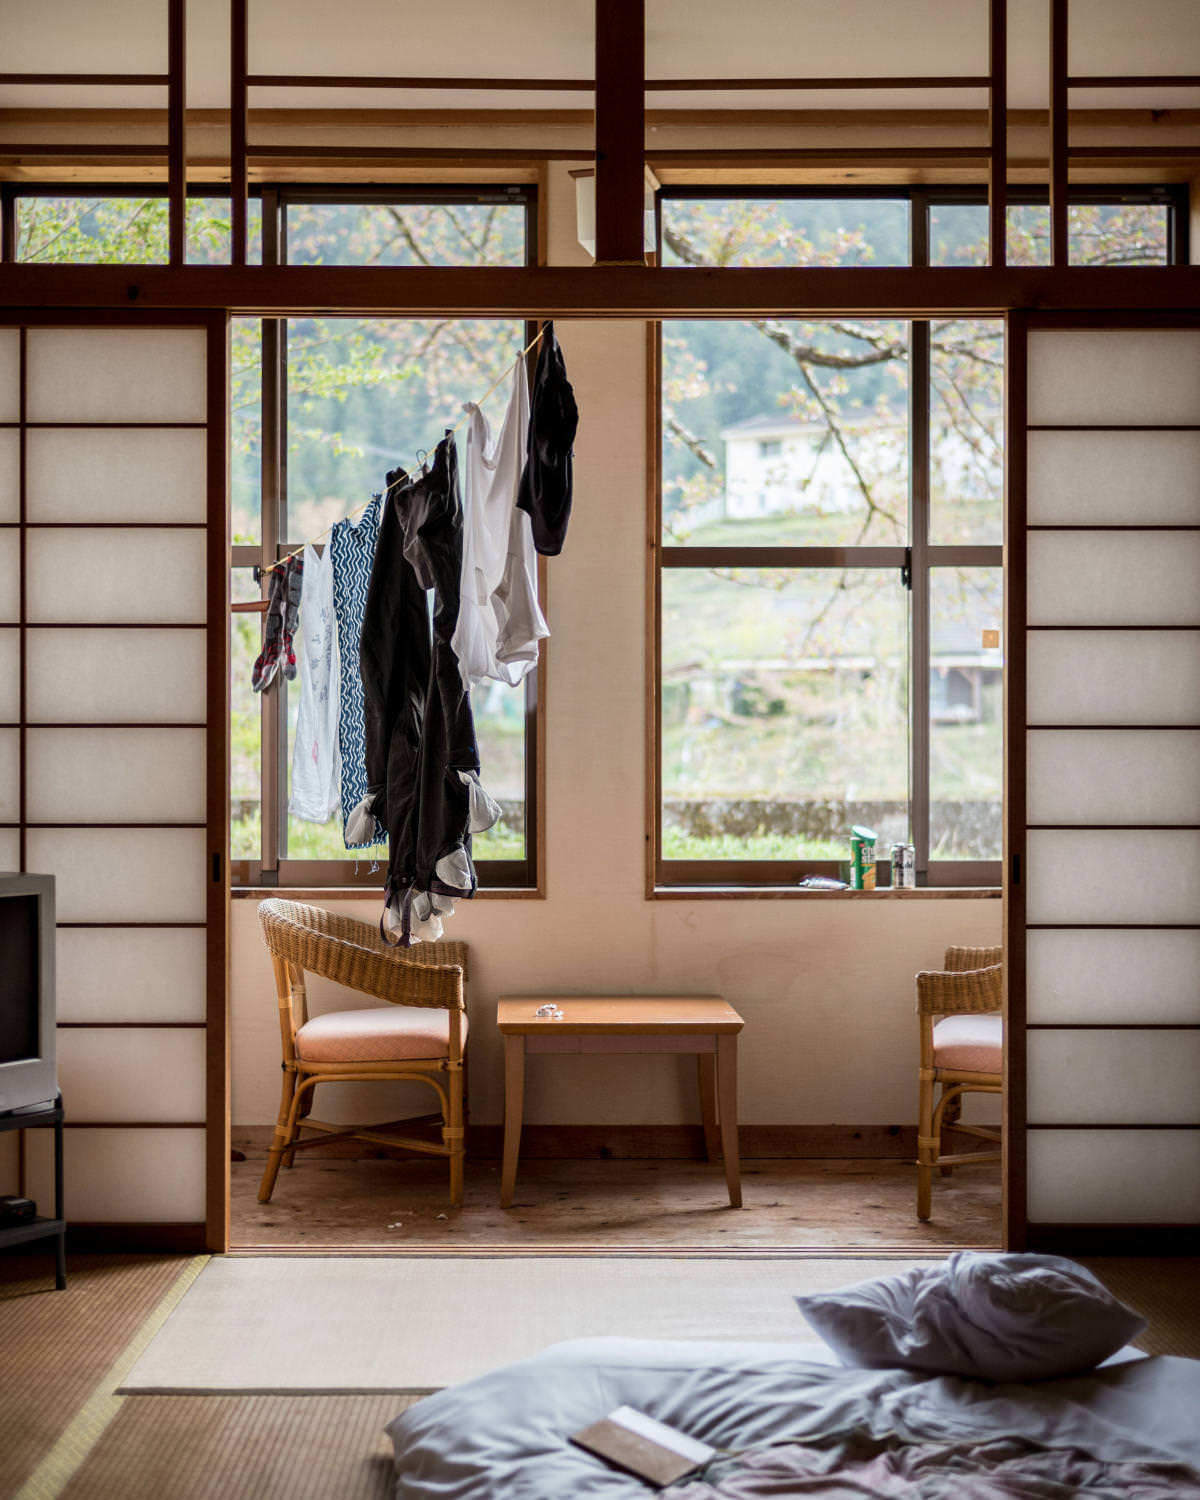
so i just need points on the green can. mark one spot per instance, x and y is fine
(862, 859)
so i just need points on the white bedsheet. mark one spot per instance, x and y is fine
(505, 1434)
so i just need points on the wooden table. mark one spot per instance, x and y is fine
(701, 1024)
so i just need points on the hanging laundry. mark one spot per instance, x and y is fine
(547, 479)
(499, 620)
(316, 756)
(279, 629)
(352, 552)
(421, 753)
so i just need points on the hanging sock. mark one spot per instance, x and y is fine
(547, 480)
(283, 611)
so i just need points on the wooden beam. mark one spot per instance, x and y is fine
(357, 81)
(620, 131)
(1059, 131)
(600, 291)
(788, 85)
(998, 132)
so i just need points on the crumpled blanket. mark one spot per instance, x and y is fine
(858, 1466)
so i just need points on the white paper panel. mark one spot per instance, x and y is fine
(1113, 578)
(121, 1074)
(1113, 1077)
(1113, 776)
(10, 849)
(104, 576)
(1113, 478)
(10, 474)
(1122, 877)
(116, 676)
(1113, 677)
(10, 681)
(123, 875)
(1123, 975)
(115, 776)
(1113, 1176)
(127, 1176)
(115, 375)
(130, 974)
(122, 474)
(10, 374)
(1102, 376)
(10, 577)
(10, 775)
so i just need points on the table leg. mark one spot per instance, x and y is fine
(727, 1105)
(514, 1096)
(706, 1077)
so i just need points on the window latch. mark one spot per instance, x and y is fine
(906, 569)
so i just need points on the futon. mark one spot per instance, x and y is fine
(789, 1419)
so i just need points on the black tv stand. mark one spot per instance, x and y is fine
(40, 1228)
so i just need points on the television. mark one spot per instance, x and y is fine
(28, 1076)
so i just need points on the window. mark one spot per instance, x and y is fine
(322, 408)
(830, 516)
(328, 406)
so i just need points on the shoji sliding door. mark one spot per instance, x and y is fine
(1103, 807)
(114, 648)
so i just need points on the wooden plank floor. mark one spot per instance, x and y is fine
(619, 1204)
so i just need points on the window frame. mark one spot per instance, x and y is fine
(521, 877)
(514, 877)
(918, 559)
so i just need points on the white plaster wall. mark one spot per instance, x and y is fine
(825, 986)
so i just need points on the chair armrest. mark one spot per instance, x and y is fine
(968, 990)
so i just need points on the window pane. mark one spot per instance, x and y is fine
(94, 230)
(785, 433)
(245, 724)
(500, 730)
(966, 431)
(966, 758)
(784, 711)
(785, 232)
(406, 234)
(1098, 234)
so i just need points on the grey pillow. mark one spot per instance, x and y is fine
(989, 1316)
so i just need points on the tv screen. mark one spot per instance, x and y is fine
(18, 978)
(28, 1076)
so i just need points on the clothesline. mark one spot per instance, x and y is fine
(279, 562)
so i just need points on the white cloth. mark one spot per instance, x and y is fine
(499, 620)
(316, 757)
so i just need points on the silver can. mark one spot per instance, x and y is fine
(904, 866)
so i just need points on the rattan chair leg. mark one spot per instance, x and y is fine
(284, 1130)
(925, 1149)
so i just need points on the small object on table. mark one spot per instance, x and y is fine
(705, 1026)
(823, 883)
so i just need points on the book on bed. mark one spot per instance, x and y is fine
(642, 1446)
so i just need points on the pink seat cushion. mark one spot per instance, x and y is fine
(388, 1033)
(971, 1044)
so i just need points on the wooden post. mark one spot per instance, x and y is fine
(997, 132)
(620, 130)
(1059, 127)
(238, 183)
(177, 131)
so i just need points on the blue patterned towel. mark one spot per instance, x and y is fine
(352, 549)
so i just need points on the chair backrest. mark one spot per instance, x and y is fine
(959, 959)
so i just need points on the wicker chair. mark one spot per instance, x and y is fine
(962, 1041)
(423, 1037)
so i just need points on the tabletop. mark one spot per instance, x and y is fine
(630, 1014)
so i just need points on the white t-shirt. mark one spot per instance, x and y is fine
(499, 620)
